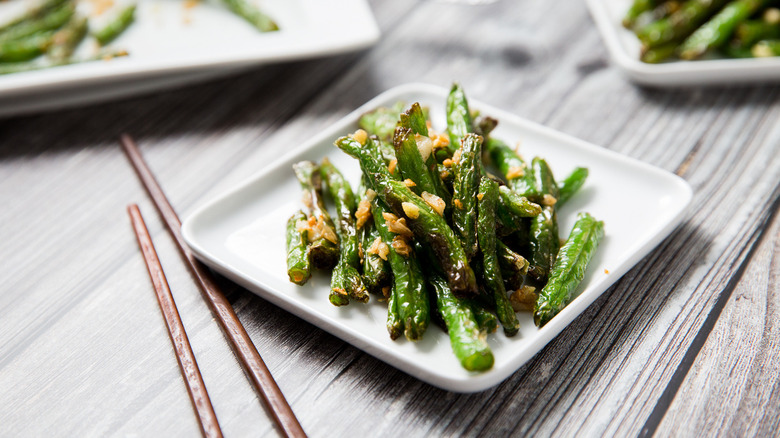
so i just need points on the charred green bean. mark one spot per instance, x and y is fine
(569, 268)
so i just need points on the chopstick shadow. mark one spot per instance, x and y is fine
(252, 98)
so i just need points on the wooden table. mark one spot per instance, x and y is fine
(687, 343)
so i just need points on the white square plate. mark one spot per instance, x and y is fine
(192, 40)
(241, 235)
(624, 47)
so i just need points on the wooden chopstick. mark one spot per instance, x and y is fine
(234, 331)
(209, 425)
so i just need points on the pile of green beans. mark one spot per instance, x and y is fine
(696, 29)
(55, 29)
(431, 231)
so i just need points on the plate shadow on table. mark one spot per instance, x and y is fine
(760, 95)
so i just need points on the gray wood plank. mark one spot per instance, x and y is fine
(82, 344)
(734, 383)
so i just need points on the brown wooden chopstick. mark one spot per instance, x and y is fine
(209, 425)
(234, 331)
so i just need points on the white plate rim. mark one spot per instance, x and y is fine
(475, 382)
(703, 72)
(363, 33)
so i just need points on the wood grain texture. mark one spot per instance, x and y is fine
(83, 349)
(734, 383)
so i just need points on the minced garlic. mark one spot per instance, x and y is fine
(409, 183)
(396, 225)
(772, 16)
(360, 136)
(424, 146)
(515, 172)
(302, 225)
(456, 157)
(411, 210)
(523, 298)
(401, 246)
(549, 200)
(391, 166)
(435, 202)
(439, 141)
(363, 213)
(317, 228)
(380, 248)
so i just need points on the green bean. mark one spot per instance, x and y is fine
(250, 13)
(369, 156)
(660, 12)
(571, 185)
(411, 163)
(715, 32)
(488, 189)
(637, 8)
(52, 20)
(514, 267)
(468, 171)
(324, 243)
(544, 243)
(25, 49)
(458, 117)
(116, 26)
(750, 32)
(517, 205)
(487, 320)
(466, 339)
(376, 272)
(508, 162)
(31, 14)
(569, 268)
(660, 53)
(394, 323)
(680, 24)
(484, 125)
(67, 39)
(543, 235)
(382, 121)
(346, 278)
(736, 51)
(538, 183)
(298, 266)
(416, 120)
(410, 295)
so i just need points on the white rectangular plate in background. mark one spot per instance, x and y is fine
(191, 40)
(242, 235)
(623, 47)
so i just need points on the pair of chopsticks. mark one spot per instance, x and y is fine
(234, 331)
